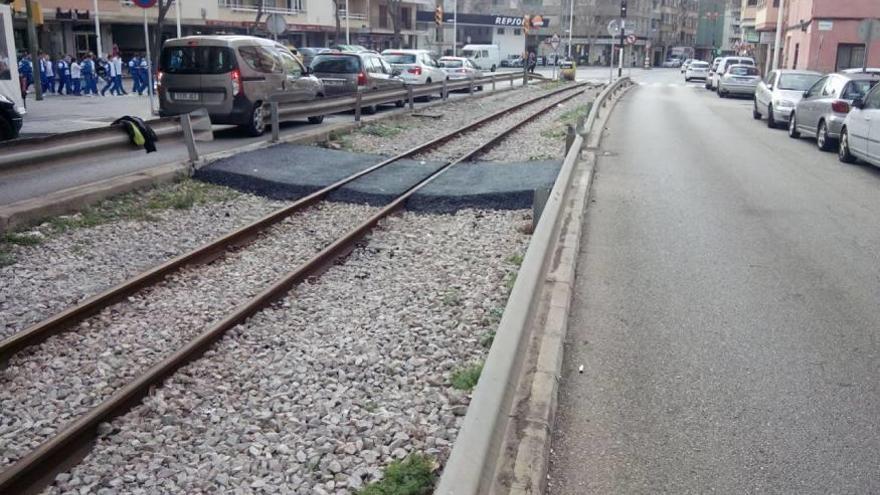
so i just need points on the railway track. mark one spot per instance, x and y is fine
(36, 468)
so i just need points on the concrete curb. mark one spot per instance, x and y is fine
(25, 212)
(503, 445)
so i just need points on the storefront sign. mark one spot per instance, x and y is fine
(479, 19)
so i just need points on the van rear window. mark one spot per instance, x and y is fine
(336, 64)
(197, 60)
(399, 58)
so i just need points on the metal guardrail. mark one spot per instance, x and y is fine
(196, 126)
(192, 127)
(471, 467)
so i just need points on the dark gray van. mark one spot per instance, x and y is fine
(232, 77)
(345, 73)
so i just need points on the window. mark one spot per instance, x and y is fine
(197, 59)
(500, 30)
(796, 82)
(383, 16)
(872, 101)
(260, 59)
(406, 17)
(291, 66)
(817, 87)
(5, 69)
(857, 89)
(336, 64)
(850, 56)
(386, 67)
(517, 31)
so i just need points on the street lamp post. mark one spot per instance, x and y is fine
(570, 26)
(713, 17)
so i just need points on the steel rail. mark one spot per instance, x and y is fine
(34, 471)
(65, 319)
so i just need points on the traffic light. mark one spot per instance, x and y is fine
(622, 9)
(527, 24)
(438, 15)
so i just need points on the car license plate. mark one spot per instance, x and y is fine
(186, 96)
(332, 82)
(743, 79)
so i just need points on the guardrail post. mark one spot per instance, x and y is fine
(444, 93)
(409, 96)
(471, 86)
(188, 137)
(357, 107)
(276, 132)
(493, 82)
(569, 138)
(511, 78)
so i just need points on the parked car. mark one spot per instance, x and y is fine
(824, 107)
(460, 68)
(308, 53)
(777, 96)
(697, 69)
(416, 66)
(512, 61)
(672, 63)
(859, 70)
(352, 48)
(712, 68)
(725, 64)
(485, 57)
(10, 119)
(233, 77)
(349, 72)
(739, 80)
(686, 64)
(860, 133)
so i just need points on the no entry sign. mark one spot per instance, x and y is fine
(144, 4)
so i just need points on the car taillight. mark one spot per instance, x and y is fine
(415, 70)
(235, 75)
(159, 76)
(461, 70)
(840, 106)
(362, 78)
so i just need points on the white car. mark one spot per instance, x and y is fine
(460, 68)
(686, 64)
(860, 135)
(739, 80)
(696, 70)
(416, 66)
(723, 65)
(778, 96)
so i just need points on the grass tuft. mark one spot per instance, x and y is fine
(411, 476)
(487, 340)
(382, 130)
(466, 378)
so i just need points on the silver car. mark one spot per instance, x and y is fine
(349, 72)
(233, 77)
(715, 77)
(777, 96)
(822, 110)
(460, 69)
(738, 80)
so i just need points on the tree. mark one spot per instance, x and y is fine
(156, 39)
(337, 4)
(394, 9)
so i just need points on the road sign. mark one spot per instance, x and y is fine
(869, 29)
(554, 42)
(826, 25)
(144, 4)
(276, 24)
(631, 39)
(614, 28)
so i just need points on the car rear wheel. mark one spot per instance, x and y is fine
(6, 129)
(824, 142)
(492, 69)
(843, 152)
(755, 113)
(257, 123)
(771, 122)
(792, 127)
(399, 103)
(370, 110)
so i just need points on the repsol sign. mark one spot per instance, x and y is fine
(478, 19)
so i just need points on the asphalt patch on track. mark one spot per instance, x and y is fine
(289, 172)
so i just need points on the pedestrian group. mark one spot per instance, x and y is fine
(71, 76)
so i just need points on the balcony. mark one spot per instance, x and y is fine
(294, 7)
(354, 16)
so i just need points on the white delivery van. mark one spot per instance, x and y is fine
(10, 86)
(486, 57)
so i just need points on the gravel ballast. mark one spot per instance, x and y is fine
(319, 392)
(67, 268)
(396, 135)
(45, 387)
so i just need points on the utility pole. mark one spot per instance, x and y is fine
(34, 48)
(778, 40)
(570, 26)
(177, 12)
(622, 37)
(455, 28)
(347, 30)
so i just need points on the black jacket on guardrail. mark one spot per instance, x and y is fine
(138, 131)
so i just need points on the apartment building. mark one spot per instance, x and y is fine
(69, 25)
(749, 36)
(823, 35)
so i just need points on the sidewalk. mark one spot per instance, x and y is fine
(72, 113)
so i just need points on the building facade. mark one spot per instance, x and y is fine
(69, 25)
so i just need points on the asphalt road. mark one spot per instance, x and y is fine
(726, 310)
